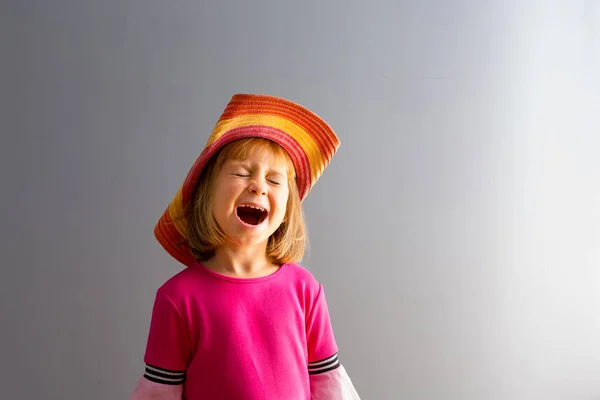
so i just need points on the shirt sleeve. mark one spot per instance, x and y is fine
(146, 389)
(332, 385)
(322, 348)
(168, 348)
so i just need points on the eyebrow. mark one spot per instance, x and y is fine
(243, 164)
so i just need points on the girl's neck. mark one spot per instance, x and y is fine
(241, 263)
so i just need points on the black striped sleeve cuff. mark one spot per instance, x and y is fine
(325, 365)
(164, 376)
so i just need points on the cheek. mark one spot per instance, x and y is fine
(228, 190)
(282, 200)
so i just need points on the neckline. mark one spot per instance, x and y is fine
(236, 279)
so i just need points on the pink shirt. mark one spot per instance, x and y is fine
(240, 339)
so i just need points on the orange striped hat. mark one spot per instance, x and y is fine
(308, 139)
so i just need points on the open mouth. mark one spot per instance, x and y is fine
(251, 215)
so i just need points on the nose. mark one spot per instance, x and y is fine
(258, 187)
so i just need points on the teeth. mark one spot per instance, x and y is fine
(256, 208)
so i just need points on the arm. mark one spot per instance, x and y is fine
(167, 354)
(332, 385)
(328, 378)
(148, 390)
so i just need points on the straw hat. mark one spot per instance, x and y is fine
(308, 139)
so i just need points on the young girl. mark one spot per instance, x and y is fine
(243, 321)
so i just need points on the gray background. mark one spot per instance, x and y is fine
(457, 231)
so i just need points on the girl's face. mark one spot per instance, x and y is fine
(250, 198)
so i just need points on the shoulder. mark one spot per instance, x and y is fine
(303, 280)
(180, 285)
(301, 274)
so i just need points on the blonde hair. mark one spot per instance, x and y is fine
(286, 245)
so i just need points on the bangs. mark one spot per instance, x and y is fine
(239, 150)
